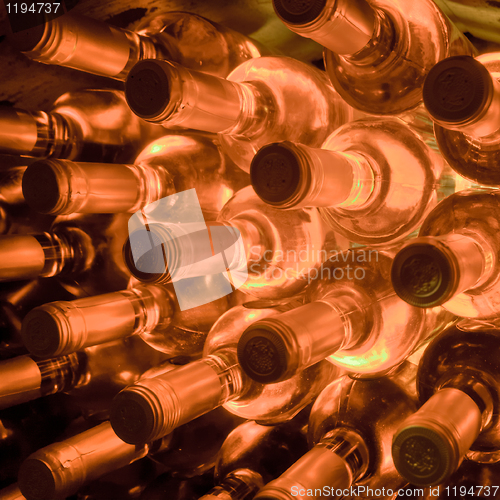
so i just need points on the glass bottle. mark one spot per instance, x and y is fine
(86, 125)
(84, 252)
(378, 53)
(29, 426)
(256, 105)
(168, 165)
(12, 493)
(93, 453)
(151, 311)
(350, 431)
(458, 386)
(253, 454)
(454, 260)
(462, 96)
(16, 300)
(181, 489)
(153, 407)
(269, 252)
(353, 318)
(92, 377)
(89, 45)
(357, 179)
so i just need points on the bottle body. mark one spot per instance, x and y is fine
(353, 318)
(349, 432)
(256, 105)
(170, 164)
(95, 47)
(458, 417)
(469, 143)
(87, 125)
(458, 241)
(154, 406)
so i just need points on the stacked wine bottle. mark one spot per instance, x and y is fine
(243, 276)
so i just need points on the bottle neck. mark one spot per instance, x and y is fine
(342, 26)
(24, 379)
(337, 461)
(240, 484)
(63, 327)
(314, 177)
(275, 349)
(36, 134)
(86, 457)
(431, 270)
(196, 100)
(93, 187)
(89, 45)
(38, 255)
(153, 407)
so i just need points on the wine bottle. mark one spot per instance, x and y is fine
(453, 261)
(92, 376)
(253, 454)
(12, 493)
(87, 125)
(151, 311)
(168, 165)
(181, 489)
(377, 54)
(98, 451)
(16, 300)
(457, 384)
(357, 179)
(256, 105)
(353, 318)
(153, 407)
(84, 252)
(29, 426)
(462, 95)
(89, 45)
(350, 429)
(268, 252)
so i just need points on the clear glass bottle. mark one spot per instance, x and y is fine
(92, 376)
(454, 260)
(89, 45)
(458, 387)
(168, 165)
(151, 311)
(30, 426)
(279, 249)
(84, 252)
(256, 105)
(153, 407)
(61, 469)
(377, 53)
(254, 454)
(87, 125)
(373, 180)
(462, 96)
(353, 318)
(16, 300)
(350, 430)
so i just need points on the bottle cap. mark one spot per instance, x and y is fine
(423, 454)
(147, 89)
(45, 187)
(37, 481)
(133, 416)
(299, 11)
(422, 275)
(44, 332)
(457, 89)
(262, 354)
(275, 173)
